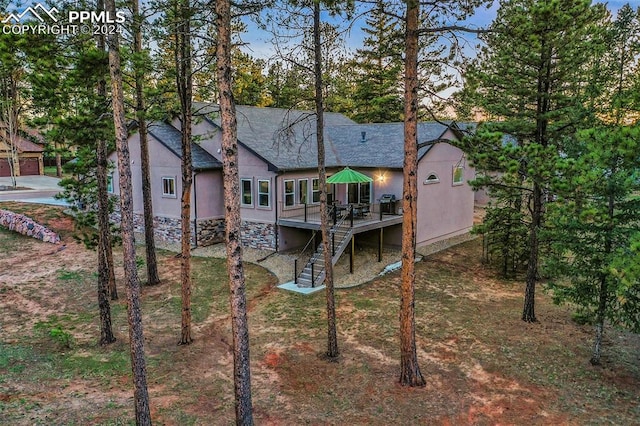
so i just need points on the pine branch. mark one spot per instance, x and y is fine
(453, 28)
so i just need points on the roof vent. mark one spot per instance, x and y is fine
(364, 137)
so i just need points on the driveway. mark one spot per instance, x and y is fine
(33, 189)
(33, 182)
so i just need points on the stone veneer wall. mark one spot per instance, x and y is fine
(259, 235)
(210, 231)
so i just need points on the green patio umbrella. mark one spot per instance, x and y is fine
(347, 175)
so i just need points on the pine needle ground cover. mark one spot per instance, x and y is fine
(482, 364)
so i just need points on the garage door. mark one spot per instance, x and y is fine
(29, 167)
(5, 171)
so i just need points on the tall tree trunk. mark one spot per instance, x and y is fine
(58, 160)
(332, 335)
(528, 311)
(104, 226)
(108, 253)
(410, 374)
(185, 88)
(104, 244)
(600, 315)
(11, 120)
(603, 292)
(239, 323)
(134, 314)
(149, 237)
(542, 109)
(104, 237)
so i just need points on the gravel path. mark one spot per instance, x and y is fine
(366, 266)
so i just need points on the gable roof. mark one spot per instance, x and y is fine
(22, 143)
(285, 139)
(377, 145)
(171, 138)
(25, 145)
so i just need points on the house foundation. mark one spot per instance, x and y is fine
(206, 231)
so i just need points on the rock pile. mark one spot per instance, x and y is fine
(26, 226)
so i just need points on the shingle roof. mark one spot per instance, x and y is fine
(171, 138)
(25, 145)
(285, 139)
(22, 144)
(382, 145)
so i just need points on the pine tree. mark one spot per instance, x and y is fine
(184, 82)
(140, 65)
(431, 26)
(235, 267)
(595, 221)
(532, 79)
(249, 84)
(378, 66)
(134, 314)
(332, 334)
(106, 274)
(282, 83)
(410, 374)
(12, 97)
(317, 43)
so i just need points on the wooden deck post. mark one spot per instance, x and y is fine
(380, 244)
(353, 253)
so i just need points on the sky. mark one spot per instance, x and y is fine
(259, 45)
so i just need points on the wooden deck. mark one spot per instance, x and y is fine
(309, 218)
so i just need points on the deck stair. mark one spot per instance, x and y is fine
(313, 273)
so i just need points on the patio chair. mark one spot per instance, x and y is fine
(365, 210)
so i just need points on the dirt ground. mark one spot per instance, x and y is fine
(483, 366)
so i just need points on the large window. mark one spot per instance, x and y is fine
(264, 197)
(315, 190)
(246, 187)
(365, 193)
(458, 175)
(359, 192)
(289, 192)
(303, 191)
(169, 186)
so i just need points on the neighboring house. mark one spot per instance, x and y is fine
(29, 160)
(279, 179)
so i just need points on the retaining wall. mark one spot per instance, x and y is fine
(26, 226)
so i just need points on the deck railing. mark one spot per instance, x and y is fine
(317, 256)
(304, 258)
(311, 212)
